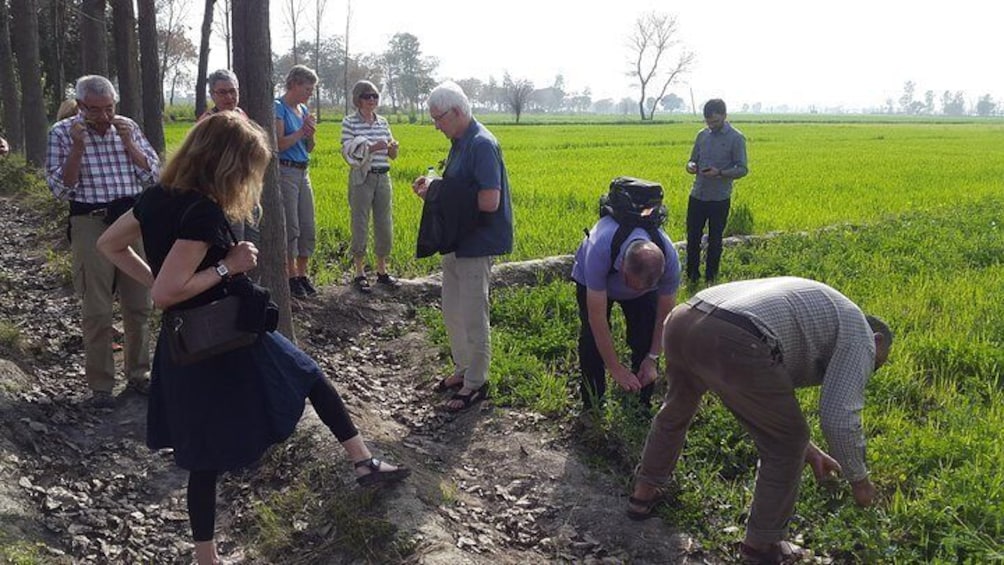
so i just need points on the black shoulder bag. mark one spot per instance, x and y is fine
(196, 334)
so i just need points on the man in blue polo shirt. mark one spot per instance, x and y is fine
(474, 161)
(643, 280)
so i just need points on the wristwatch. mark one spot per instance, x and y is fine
(654, 357)
(222, 270)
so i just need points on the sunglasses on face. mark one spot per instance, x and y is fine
(369, 96)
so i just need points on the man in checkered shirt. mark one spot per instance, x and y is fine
(99, 162)
(753, 343)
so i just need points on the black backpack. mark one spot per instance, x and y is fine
(633, 203)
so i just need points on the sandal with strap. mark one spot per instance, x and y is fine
(362, 284)
(468, 399)
(779, 553)
(377, 476)
(648, 506)
(445, 385)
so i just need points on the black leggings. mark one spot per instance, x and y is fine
(202, 484)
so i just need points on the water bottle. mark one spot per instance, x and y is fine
(430, 173)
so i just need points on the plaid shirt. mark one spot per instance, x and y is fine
(106, 170)
(825, 340)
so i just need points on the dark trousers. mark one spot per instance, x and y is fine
(639, 316)
(715, 213)
(202, 484)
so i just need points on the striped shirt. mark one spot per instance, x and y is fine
(107, 172)
(353, 125)
(824, 340)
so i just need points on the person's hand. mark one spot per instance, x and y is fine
(648, 372)
(309, 125)
(420, 186)
(78, 132)
(241, 258)
(824, 467)
(864, 492)
(692, 168)
(379, 145)
(122, 127)
(392, 144)
(625, 378)
(710, 172)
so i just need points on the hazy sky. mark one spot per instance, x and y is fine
(852, 53)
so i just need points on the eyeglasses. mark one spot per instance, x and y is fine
(109, 110)
(436, 118)
(369, 96)
(225, 92)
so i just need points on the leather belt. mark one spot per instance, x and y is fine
(98, 210)
(737, 320)
(294, 164)
(380, 171)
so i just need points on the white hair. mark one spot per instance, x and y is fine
(449, 96)
(96, 85)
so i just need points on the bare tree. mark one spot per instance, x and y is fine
(171, 15)
(651, 46)
(9, 85)
(153, 86)
(93, 43)
(24, 33)
(517, 94)
(319, 6)
(127, 59)
(291, 13)
(200, 79)
(222, 27)
(253, 65)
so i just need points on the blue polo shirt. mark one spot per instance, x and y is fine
(475, 161)
(592, 263)
(291, 123)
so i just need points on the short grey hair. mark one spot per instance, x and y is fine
(95, 85)
(221, 74)
(644, 261)
(300, 74)
(449, 96)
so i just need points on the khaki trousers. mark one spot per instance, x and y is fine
(371, 196)
(298, 202)
(465, 312)
(704, 352)
(96, 281)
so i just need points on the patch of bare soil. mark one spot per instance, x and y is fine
(493, 485)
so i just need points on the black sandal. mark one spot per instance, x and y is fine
(444, 385)
(467, 399)
(648, 505)
(376, 476)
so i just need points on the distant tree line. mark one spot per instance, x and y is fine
(952, 103)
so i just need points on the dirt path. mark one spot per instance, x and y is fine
(494, 485)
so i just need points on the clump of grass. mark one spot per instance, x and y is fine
(740, 221)
(11, 338)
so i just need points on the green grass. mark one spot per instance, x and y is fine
(933, 415)
(803, 175)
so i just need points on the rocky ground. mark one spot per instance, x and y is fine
(494, 485)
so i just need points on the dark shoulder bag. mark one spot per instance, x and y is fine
(196, 334)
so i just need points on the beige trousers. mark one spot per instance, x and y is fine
(96, 281)
(465, 312)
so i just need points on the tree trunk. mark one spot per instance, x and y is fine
(52, 26)
(253, 65)
(153, 86)
(93, 45)
(127, 59)
(200, 80)
(24, 28)
(9, 85)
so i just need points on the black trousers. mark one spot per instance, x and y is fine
(715, 213)
(202, 484)
(639, 316)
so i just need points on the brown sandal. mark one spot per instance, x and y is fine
(648, 506)
(779, 553)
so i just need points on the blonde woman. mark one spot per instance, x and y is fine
(368, 147)
(220, 414)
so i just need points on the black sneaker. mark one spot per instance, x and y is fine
(388, 281)
(362, 284)
(296, 288)
(308, 287)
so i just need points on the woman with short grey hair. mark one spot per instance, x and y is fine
(368, 146)
(224, 90)
(294, 132)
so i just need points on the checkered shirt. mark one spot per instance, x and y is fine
(106, 170)
(825, 340)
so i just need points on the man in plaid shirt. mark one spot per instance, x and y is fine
(100, 162)
(753, 343)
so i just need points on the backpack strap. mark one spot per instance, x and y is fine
(621, 235)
